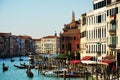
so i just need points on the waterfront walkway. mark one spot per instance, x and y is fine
(104, 78)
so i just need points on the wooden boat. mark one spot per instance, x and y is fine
(26, 65)
(54, 73)
(12, 60)
(5, 68)
(21, 59)
(20, 67)
(50, 74)
(74, 75)
(71, 76)
(29, 73)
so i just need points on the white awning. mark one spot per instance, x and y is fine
(88, 62)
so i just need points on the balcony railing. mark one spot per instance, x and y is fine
(112, 45)
(99, 53)
(112, 31)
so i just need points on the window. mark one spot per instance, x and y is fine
(99, 19)
(94, 20)
(78, 46)
(62, 38)
(112, 11)
(108, 2)
(116, 10)
(102, 33)
(99, 5)
(96, 33)
(83, 34)
(63, 46)
(74, 37)
(105, 31)
(107, 12)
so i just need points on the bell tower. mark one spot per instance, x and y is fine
(73, 16)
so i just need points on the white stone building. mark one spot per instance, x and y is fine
(102, 33)
(38, 48)
(50, 44)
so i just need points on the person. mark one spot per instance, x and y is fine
(3, 64)
(113, 68)
(28, 69)
(113, 71)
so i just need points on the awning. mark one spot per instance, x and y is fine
(75, 61)
(86, 58)
(107, 61)
(89, 62)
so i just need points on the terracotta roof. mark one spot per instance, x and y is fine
(25, 37)
(5, 34)
(37, 39)
(51, 37)
(72, 24)
(71, 31)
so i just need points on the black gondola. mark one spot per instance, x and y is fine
(32, 67)
(29, 74)
(21, 59)
(12, 60)
(20, 67)
(5, 68)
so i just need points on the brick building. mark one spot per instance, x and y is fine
(70, 37)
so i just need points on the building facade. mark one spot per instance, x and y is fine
(70, 37)
(83, 31)
(101, 29)
(29, 44)
(50, 44)
(38, 48)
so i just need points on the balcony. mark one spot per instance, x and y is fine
(99, 53)
(112, 31)
(112, 45)
(113, 21)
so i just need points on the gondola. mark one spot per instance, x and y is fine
(29, 74)
(5, 68)
(20, 67)
(12, 60)
(32, 67)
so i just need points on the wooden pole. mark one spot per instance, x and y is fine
(64, 75)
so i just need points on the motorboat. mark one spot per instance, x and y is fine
(54, 73)
(50, 74)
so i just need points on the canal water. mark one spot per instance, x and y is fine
(14, 73)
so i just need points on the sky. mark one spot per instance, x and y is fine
(39, 18)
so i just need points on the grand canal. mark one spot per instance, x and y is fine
(14, 73)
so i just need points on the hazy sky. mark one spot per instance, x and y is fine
(38, 18)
